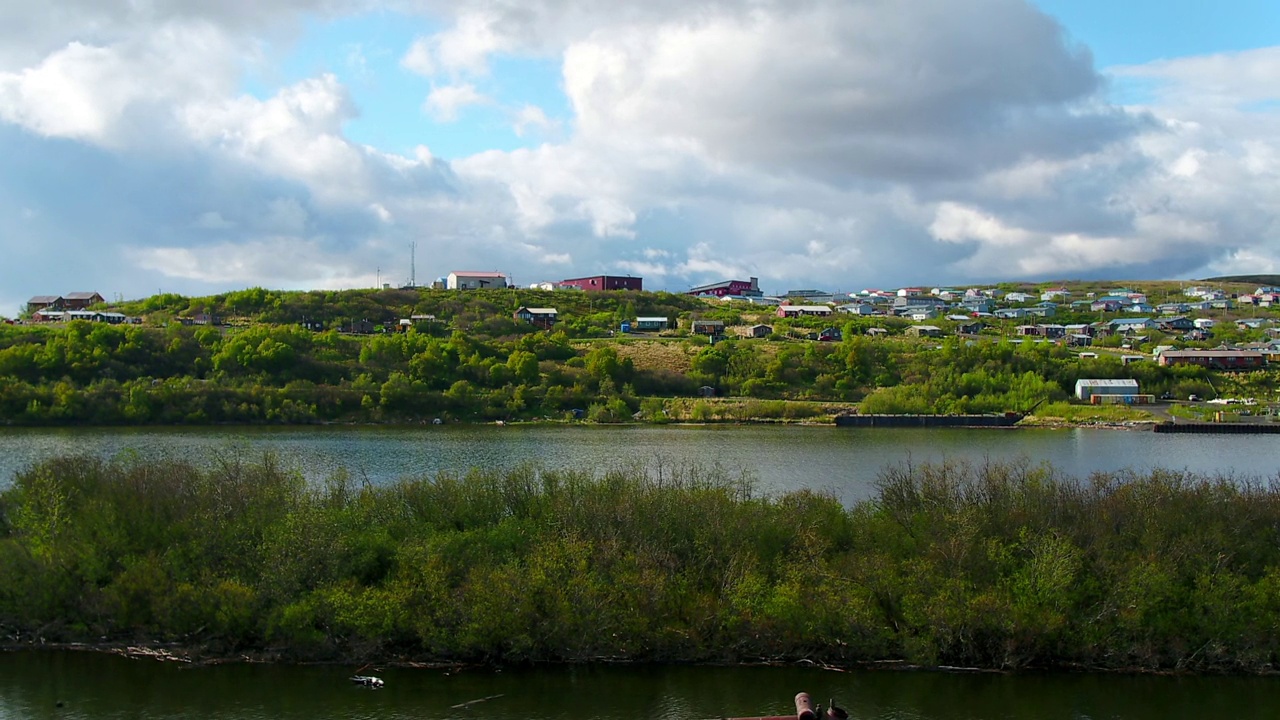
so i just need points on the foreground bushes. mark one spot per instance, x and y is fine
(997, 566)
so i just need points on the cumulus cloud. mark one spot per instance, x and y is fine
(444, 103)
(824, 142)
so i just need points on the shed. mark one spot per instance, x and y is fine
(1087, 389)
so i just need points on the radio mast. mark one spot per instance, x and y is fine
(413, 269)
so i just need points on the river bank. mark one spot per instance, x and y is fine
(1000, 566)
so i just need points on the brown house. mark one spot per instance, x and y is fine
(81, 300)
(45, 302)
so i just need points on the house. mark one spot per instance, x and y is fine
(360, 327)
(1099, 391)
(1204, 323)
(707, 327)
(813, 296)
(1053, 332)
(1079, 340)
(45, 302)
(919, 315)
(906, 306)
(859, 308)
(1175, 324)
(81, 300)
(1017, 297)
(921, 331)
(1079, 329)
(1055, 293)
(1011, 313)
(600, 283)
(877, 332)
(830, 335)
(1216, 359)
(1044, 309)
(747, 288)
(1129, 326)
(756, 331)
(1106, 305)
(969, 328)
(786, 311)
(649, 324)
(1028, 331)
(1252, 323)
(541, 317)
(910, 292)
(978, 304)
(475, 280)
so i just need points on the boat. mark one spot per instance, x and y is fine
(368, 681)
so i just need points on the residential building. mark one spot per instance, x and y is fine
(785, 311)
(706, 327)
(542, 317)
(922, 331)
(81, 300)
(1216, 359)
(44, 302)
(650, 324)
(604, 282)
(756, 331)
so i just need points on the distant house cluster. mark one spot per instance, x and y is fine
(73, 306)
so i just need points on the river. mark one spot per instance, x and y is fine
(843, 461)
(48, 685)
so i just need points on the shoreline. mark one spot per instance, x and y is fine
(190, 655)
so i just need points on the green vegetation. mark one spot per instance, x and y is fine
(1001, 566)
(288, 357)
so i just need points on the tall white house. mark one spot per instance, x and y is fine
(474, 280)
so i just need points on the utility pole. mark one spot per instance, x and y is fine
(413, 261)
(377, 282)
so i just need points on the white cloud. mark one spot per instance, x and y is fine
(836, 143)
(531, 117)
(445, 102)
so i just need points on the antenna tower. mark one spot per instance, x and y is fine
(413, 270)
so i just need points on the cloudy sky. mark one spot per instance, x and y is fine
(192, 146)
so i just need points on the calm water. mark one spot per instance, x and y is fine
(845, 461)
(100, 687)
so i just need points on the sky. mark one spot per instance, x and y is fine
(194, 147)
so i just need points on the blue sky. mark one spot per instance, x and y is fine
(841, 144)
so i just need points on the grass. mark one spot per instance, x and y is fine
(1082, 414)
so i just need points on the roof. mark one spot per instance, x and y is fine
(1124, 382)
(708, 322)
(713, 286)
(651, 319)
(81, 295)
(479, 273)
(808, 308)
(1209, 353)
(45, 299)
(539, 311)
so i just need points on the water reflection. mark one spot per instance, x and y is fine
(99, 687)
(843, 461)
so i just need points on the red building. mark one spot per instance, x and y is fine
(605, 282)
(1216, 359)
(743, 288)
